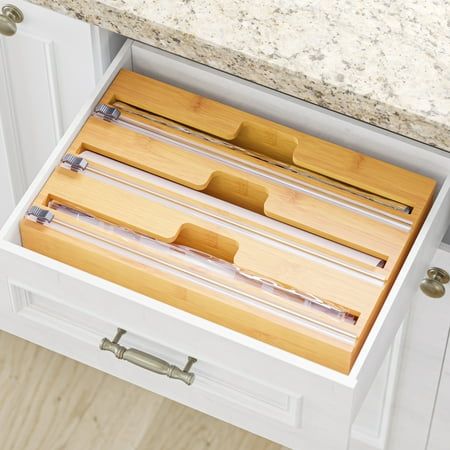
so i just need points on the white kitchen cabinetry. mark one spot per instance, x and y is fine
(439, 435)
(47, 70)
(238, 379)
(422, 406)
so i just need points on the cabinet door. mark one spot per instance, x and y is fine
(47, 70)
(6, 185)
(439, 437)
(422, 402)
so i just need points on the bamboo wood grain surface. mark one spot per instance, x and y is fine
(339, 221)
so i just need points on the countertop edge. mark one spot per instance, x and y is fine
(389, 117)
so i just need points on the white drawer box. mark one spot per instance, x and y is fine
(238, 379)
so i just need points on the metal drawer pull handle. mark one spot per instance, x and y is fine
(10, 16)
(433, 285)
(147, 361)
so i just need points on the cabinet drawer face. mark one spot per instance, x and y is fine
(220, 234)
(213, 381)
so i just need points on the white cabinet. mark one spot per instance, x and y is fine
(47, 70)
(439, 435)
(239, 379)
(421, 411)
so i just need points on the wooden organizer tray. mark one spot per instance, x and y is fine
(237, 196)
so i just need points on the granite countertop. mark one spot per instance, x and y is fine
(386, 62)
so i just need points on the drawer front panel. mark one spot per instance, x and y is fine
(267, 410)
(215, 383)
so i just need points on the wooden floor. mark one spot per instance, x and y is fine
(49, 402)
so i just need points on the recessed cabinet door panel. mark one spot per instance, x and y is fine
(48, 68)
(46, 73)
(439, 437)
(422, 401)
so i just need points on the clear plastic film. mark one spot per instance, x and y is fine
(222, 271)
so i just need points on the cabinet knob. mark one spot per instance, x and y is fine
(433, 284)
(10, 16)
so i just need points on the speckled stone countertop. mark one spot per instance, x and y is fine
(386, 62)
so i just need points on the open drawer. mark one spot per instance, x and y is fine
(240, 379)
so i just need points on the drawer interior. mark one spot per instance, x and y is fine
(254, 226)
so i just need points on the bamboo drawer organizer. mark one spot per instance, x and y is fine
(265, 230)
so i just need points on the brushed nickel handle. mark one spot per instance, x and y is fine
(433, 285)
(147, 361)
(10, 17)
